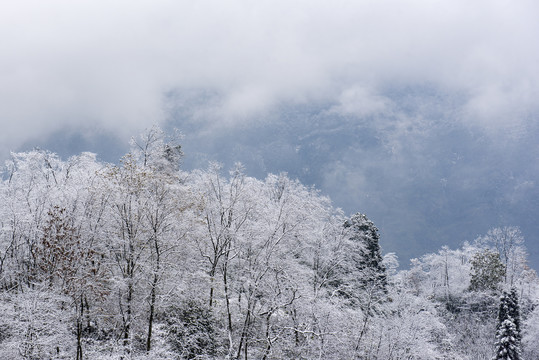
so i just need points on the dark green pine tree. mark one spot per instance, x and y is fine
(514, 312)
(507, 335)
(487, 271)
(369, 262)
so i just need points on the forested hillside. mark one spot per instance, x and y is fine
(142, 260)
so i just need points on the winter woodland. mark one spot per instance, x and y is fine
(143, 260)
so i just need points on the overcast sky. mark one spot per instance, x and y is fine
(422, 114)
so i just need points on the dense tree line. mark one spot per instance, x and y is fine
(143, 260)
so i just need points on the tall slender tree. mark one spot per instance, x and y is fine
(515, 312)
(508, 334)
(369, 261)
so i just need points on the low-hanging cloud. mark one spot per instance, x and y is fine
(108, 65)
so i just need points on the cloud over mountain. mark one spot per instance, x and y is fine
(415, 99)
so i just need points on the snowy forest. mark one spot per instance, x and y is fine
(144, 260)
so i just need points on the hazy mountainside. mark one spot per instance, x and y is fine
(144, 260)
(425, 177)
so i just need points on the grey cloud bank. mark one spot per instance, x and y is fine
(422, 114)
(425, 184)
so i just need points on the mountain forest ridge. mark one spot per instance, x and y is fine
(144, 260)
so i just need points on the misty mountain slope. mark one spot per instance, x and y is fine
(426, 181)
(433, 181)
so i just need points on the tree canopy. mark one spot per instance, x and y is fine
(141, 260)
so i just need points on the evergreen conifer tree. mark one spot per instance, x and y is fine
(370, 259)
(515, 312)
(487, 271)
(508, 333)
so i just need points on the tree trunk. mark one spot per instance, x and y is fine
(268, 339)
(80, 318)
(227, 300)
(153, 291)
(244, 332)
(152, 310)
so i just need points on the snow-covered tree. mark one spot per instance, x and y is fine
(370, 261)
(530, 334)
(487, 271)
(508, 334)
(508, 242)
(158, 150)
(514, 312)
(361, 274)
(142, 260)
